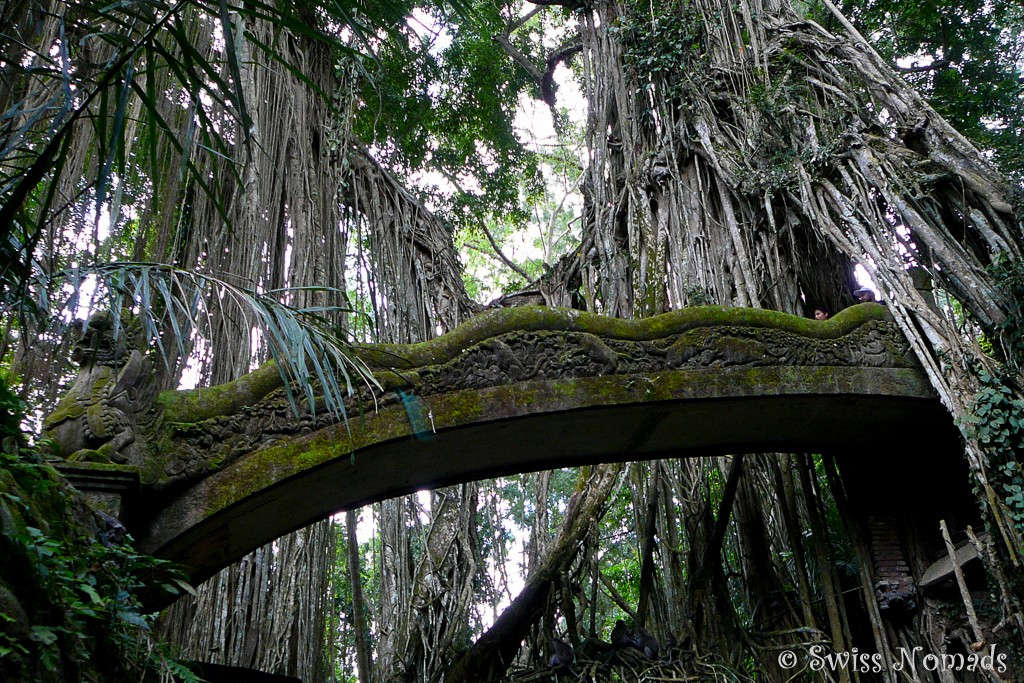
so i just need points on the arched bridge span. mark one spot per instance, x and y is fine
(520, 390)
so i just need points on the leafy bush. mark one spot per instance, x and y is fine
(70, 606)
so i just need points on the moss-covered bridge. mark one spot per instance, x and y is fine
(205, 476)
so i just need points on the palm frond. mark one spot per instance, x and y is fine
(173, 306)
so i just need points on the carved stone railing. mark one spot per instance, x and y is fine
(111, 415)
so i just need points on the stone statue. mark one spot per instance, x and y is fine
(103, 416)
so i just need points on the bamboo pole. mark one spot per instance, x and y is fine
(972, 616)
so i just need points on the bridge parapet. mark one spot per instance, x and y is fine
(538, 343)
(191, 434)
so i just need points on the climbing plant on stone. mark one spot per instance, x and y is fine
(71, 585)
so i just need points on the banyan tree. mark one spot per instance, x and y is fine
(748, 153)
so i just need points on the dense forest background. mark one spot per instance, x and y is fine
(252, 176)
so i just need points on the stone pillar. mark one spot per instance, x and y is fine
(923, 284)
(894, 585)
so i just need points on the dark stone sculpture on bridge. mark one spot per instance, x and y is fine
(107, 416)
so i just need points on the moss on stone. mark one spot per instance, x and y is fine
(69, 408)
(76, 404)
(260, 470)
(197, 405)
(398, 364)
(393, 363)
(543, 318)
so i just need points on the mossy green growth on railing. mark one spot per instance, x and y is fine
(391, 362)
(195, 405)
(542, 318)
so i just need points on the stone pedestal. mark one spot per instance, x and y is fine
(104, 486)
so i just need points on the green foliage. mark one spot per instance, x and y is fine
(996, 421)
(1009, 277)
(440, 98)
(72, 607)
(11, 408)
(620, 557)
(843, 555)
(664, 54)
(341, 634)
(663, 48)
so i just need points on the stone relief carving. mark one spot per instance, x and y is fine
(107, 414)
(523, 356)
(526, 356)
(109, 411)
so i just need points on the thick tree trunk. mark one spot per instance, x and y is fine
(820, 543)
(709, 612)
(647, 548)
(783, 476)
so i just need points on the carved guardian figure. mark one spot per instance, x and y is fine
(103, 416)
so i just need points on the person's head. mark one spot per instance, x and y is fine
(820, 314)
(864, 294)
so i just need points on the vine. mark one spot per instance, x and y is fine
(996, 420)
(1009, 277)
(996, 415)
(662, 49)
(70, 606)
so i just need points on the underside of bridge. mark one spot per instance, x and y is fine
(533, 426)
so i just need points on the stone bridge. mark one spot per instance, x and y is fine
(205, 476)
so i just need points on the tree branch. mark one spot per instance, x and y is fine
(714, 547)
(647, 548)
(617, 598)
(501, 255)
(518, 57)
(546, 78)
(570, 4)
(934, 66)
(547, 83)
(521, 21)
